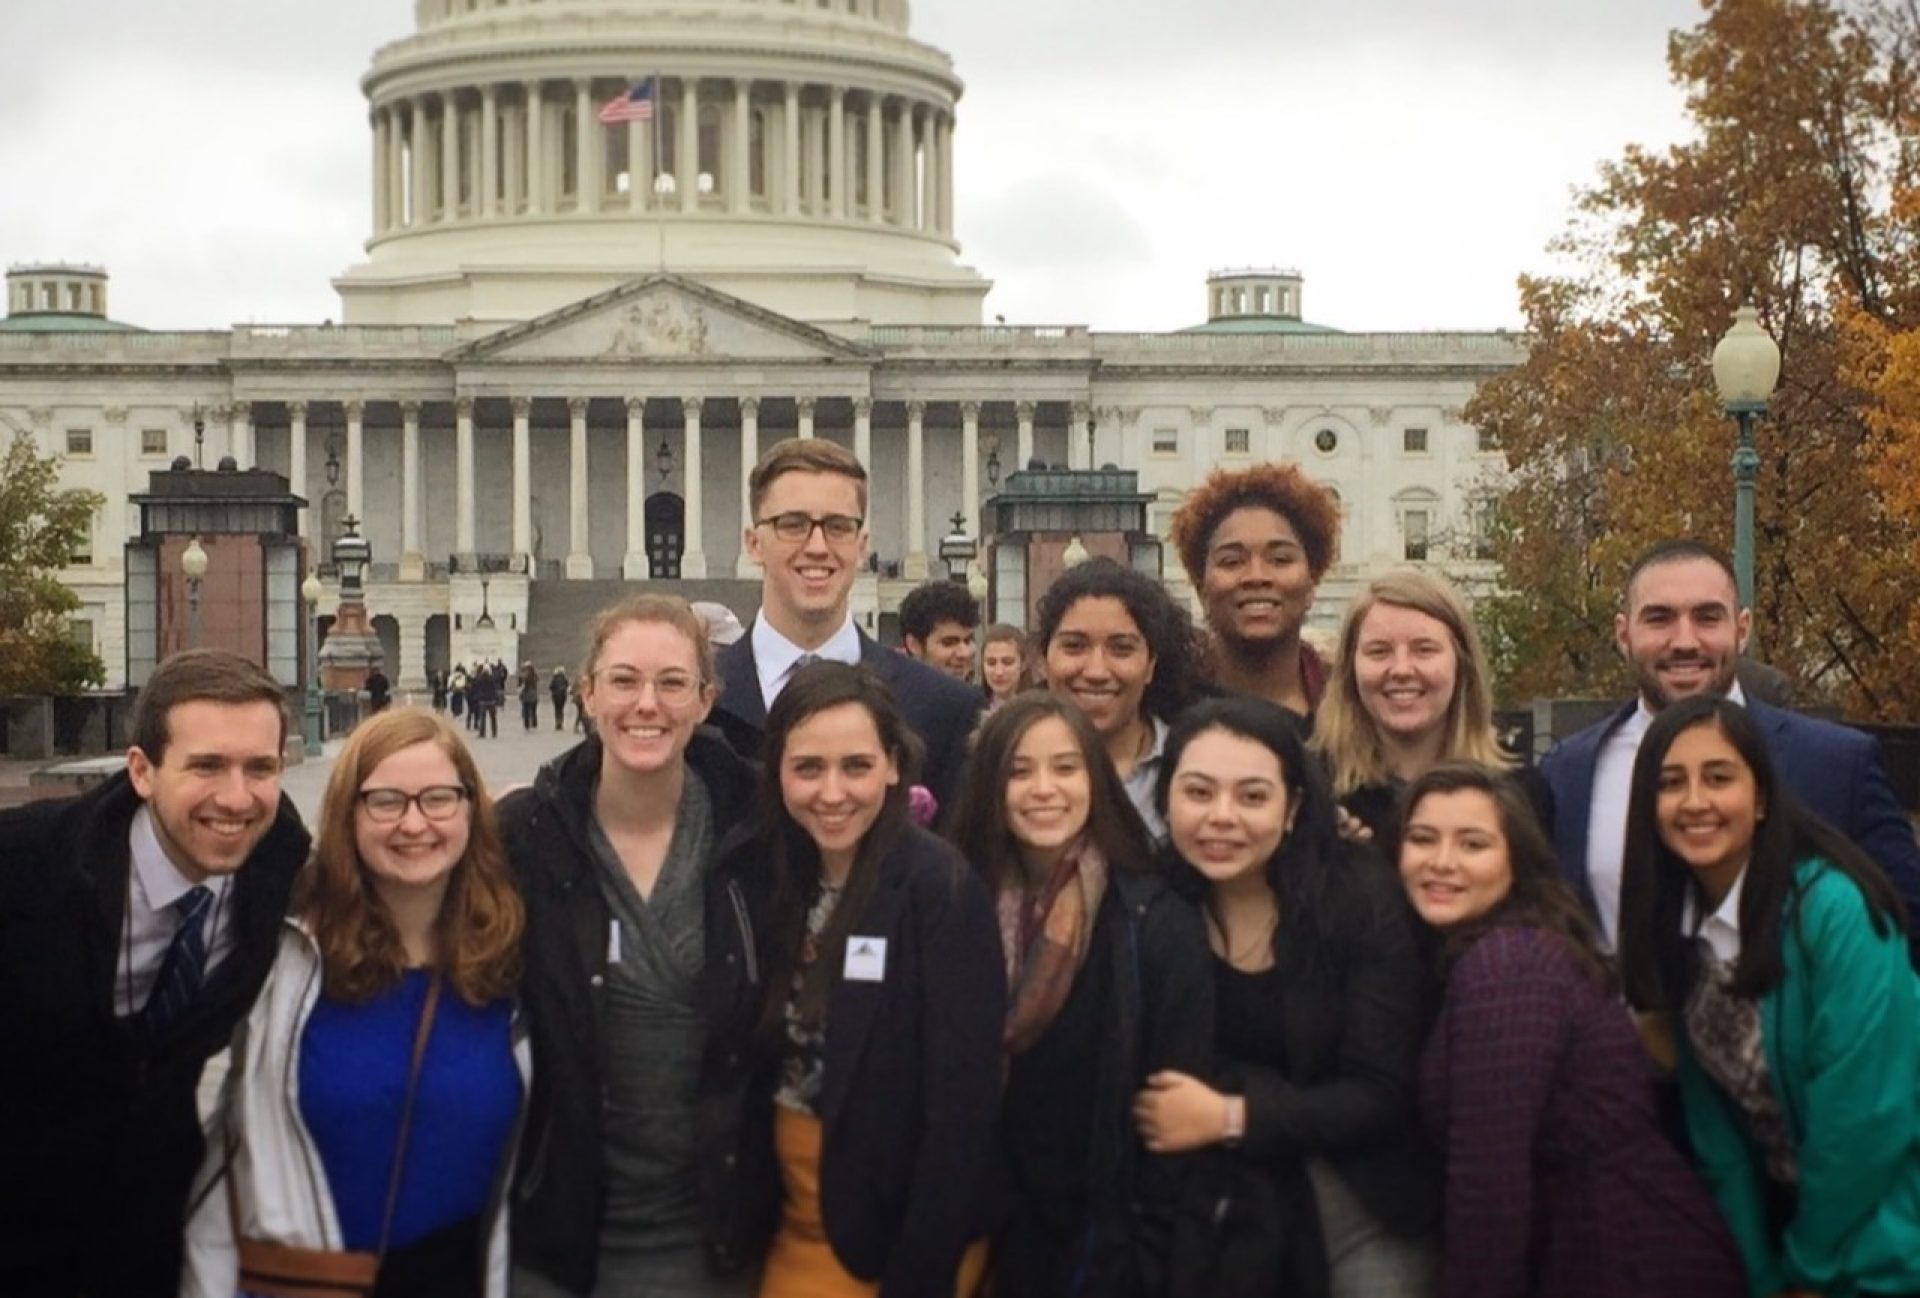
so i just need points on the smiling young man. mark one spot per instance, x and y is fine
(809, 536)
(937, 622)
(137, 922)
(1681, 630)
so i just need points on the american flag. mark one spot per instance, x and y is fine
(634, 106)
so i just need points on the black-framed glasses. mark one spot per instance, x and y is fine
(437, 802)
(794, 526)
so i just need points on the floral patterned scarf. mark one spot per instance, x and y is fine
(1045, 936)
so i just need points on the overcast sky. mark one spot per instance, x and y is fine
(1410, 157)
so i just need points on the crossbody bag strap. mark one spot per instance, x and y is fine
(420, 1035)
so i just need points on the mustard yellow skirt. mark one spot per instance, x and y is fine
(801, 1263)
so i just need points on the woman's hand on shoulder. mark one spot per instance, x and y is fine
(1177, 1112)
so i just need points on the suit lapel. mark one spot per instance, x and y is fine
(740, 684)
(854, 1006)
(1577, 816)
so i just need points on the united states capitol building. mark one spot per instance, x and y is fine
(568, 339)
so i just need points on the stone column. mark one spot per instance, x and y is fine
(523, 480)
(946, 175)
(449, 157)
(297, 462)
(413, 566)
(693, 559)
(790, 127)
(863, 448)
(837, 168)
(1078, 455)
(422, 162)
(687, 151)
(634, 566)
(876, 159)
(536, 143)
(1023, 411)
(579, 539)
(749, 454)
(463, 484)
(916, 558)
(640, 161)
(586, 157)
(356, 461)
(396, 169)
(970, 466)
(240, 434)
(930, 206)
(903, 190)
(487, 201)
(380, 129)
(740, 161)
(803, 407)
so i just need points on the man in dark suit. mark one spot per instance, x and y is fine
(137, 923)
(1682, 631)
(809, 536)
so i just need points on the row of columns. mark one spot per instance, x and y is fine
(492, 150)
(579, 562)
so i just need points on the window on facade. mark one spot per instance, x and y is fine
(1326, 441)
(1416, 526)
(1239, 441)
(1166, 441)
(1414, 441)
(83, 547)
(79, 441)
(80, 633)
(1485, 440)
(153, 441)
(1480, 527)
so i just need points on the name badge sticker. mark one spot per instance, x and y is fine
(866, 959)
(613, 941)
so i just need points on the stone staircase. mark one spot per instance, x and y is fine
(560, 613)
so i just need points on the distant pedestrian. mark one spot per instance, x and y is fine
(437, 683)
(529, 697)
(379, 690)
(457, 684)
(579, 711)
(484, 695)
(559, 687)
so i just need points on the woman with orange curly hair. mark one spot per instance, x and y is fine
(1255, 543)
(365, 1127)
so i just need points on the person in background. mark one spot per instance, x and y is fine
(483, 699)
(137, 921)
(378, 1080)
(1110, 983)
(558, 689)
(885, 1001)
(637, 949)
(937, 622)
(1559, 1181)
(1255, 543)
(437, 687)
(529, 684)
(723, 624)
(1777, 950)
(379, 690)
(1409, 688)
(1114, 642)
(1003, 663)
(1320, 1012)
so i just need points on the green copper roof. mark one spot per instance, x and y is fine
(64, 322)
(1259, 324)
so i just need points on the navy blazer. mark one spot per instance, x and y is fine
(1834, 770)
(942, 711)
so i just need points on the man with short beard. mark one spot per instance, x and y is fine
(1682, 630)
(1255, 543)
(137, 923)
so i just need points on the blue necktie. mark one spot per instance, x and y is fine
(184, 965)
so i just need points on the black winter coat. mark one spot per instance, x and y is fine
(560, 1186)
(99, 1135)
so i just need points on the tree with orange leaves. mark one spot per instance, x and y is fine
(1611, 429)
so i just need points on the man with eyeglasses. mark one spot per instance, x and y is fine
(809, 536)
(137, 923)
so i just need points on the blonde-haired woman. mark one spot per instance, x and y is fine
(642, 1175)
(1410, 689)
(366, 1125)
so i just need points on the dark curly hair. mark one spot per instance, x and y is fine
(1164, 625)
(928, 605)
(1283, 488)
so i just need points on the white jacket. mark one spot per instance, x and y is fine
(279, 1181)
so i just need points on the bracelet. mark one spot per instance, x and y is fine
(1233, 1127)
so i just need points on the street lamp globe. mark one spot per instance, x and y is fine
(1075, 554)
(1746, 363)
(311, 590)
(193, 560)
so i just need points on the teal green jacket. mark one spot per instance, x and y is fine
(1842, 1036)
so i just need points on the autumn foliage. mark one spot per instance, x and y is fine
(1795, 192)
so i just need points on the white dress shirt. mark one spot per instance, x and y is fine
(777, 658)
(1720, 929)
(1607, 821)
(151, 922)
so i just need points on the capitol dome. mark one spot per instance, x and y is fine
(799, 155)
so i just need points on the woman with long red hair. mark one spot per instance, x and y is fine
(364, 1130)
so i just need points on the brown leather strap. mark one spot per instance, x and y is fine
(288, 1272)
(420, 1036)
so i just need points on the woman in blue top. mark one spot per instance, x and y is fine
(1776, 948)
(376, 1084)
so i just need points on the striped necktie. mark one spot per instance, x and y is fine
(182, 968)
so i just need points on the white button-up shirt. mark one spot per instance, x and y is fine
(777, 658)
(151, 920)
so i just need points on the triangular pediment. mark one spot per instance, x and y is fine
(665, 319)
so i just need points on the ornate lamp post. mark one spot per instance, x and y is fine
(957, 549)
(193, 563)
(1746, 367)
(310, 591)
